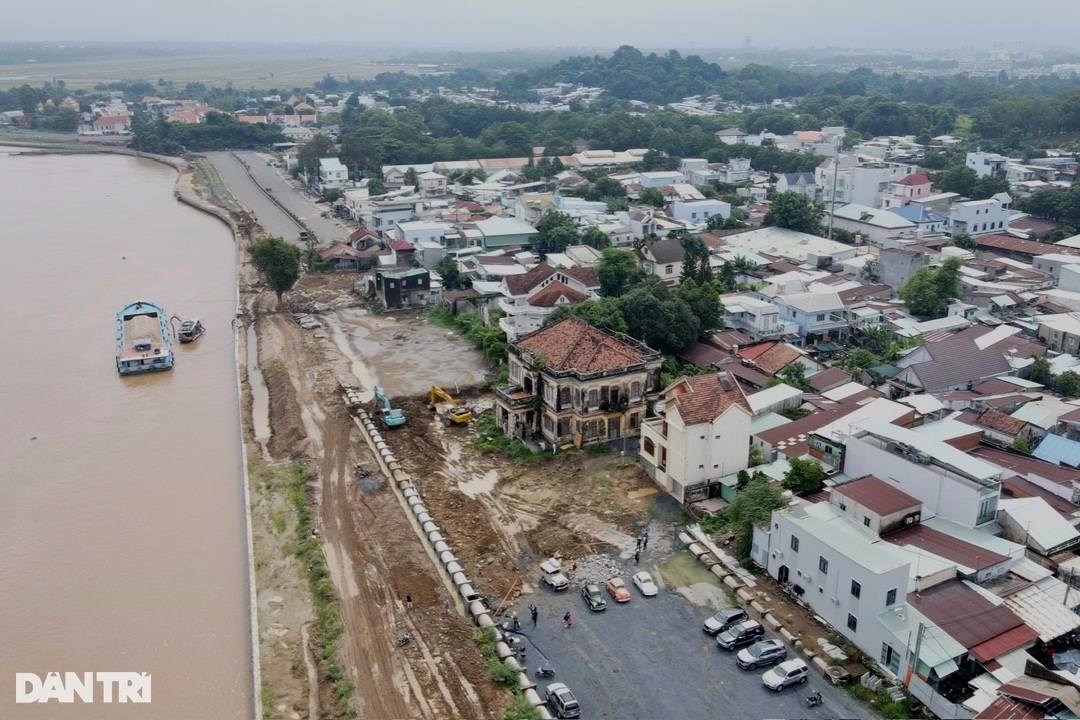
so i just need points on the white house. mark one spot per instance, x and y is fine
(736, 170)
(416, 231)
(949, 482)
(528, 298)
(838, 566)
(431, 184)
(858, 182)
(802, 183)
(980, 217)
(758, 318)
(698, 212)
(332, 174)
(985, 164)
(701, 434)
(875, 225)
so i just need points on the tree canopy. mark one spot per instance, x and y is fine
(278, 261)
(795, 211)
(928, 292)
(805, 476)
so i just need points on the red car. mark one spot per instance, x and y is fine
(618, 589)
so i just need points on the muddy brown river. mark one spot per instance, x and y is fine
(122, 526)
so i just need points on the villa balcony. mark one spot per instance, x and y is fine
(514, 397)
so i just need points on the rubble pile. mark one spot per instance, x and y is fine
(593, 569)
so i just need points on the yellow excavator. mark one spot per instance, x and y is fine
(455, 414)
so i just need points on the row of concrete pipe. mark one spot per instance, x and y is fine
(432, 536)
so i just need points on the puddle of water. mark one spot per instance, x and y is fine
(345, 344)
(260, 396)
(480, 484)
(683, 570)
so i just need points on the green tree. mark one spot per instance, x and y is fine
(965, 241)
(989, 186)
(375, 186)
(278, 261)
(596, 238)
(667, 325)
(929, 290)
(1040, 370)
(860, 360)
(752, 506)
(450, 274)
(652, 196)
(1067, 384)
(1022, 444)
(605, 188)
(1060, 234)
(617, 271)
(310, 152)
(410, 179)
(795, 375)
(795, 211)
(555, 232)
(958, 179)
(804, 477)
(602, 313)
(331, 195)
(705, 303)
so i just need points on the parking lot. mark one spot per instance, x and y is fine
(649, 658)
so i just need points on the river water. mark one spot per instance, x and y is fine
(122, 541)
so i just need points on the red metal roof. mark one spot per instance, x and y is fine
(985, 629)
(945, 545)
(1003, 643)
(1004, 708)
(877, 495)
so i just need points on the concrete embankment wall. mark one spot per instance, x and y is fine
(439, 549)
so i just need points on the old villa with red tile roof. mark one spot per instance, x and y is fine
(571, 382)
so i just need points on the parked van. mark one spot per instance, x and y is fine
(553, 574)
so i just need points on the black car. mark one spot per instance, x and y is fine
(724, 619)
(744, 633)
(593, 597)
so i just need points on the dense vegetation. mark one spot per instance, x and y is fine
(219, 132)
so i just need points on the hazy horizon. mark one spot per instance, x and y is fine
(487, 25)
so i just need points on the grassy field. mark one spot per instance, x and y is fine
(259, 70)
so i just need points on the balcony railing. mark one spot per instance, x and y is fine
(515, 397)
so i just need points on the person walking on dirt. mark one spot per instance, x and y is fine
(645, 539)
(517, 623)
(446, 606)
(568, 619)
(535, 613)
(637, 556)
(408, 601)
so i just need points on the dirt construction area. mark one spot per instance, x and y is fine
(500, 517)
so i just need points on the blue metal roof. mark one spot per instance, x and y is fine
(1058, 450)
(918, 214)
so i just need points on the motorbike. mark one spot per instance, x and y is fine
(814, 699)
(404, 639)
(545, 672)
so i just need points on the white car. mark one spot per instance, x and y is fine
(786, 673)
(645, 584)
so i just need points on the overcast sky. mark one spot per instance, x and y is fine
(502, 24)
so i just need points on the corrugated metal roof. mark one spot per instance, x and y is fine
(1044, 613)
(1059, 451)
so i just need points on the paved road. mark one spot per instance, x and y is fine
(648, 658)
(327, 230)
(269, 215)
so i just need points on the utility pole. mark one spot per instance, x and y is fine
(915, 660)
(835, 171)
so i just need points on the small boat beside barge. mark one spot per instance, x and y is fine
(142, 339)
(190, 330)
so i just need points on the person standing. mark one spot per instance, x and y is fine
(517, 623)
(645, 539)
(535, 614)
(408, 601)
(637, 556)
(446, 606)
(568, 619)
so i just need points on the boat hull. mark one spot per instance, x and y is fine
(143, 344)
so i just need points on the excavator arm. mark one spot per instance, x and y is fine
(457, 415)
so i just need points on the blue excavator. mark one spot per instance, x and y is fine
(389, 416)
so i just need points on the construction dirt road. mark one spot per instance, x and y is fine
(500, 517)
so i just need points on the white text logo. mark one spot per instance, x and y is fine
(121, 687)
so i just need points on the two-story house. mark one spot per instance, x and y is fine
(698, 212)
(902, 192)
(985, 164)
(822, 315)
(385, 213)
(529, 298)
(802, 183)
(664, 259)
(572, 382)
(332, 174)
(702, 433)
(416, 232)
(978, 217)
(757, 318)
(405, 287)
(431, 184)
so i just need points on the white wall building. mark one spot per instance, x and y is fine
(986, 164)
(698, 212)
(980, 217)
(416, 231)
(332, 174)
(702, 433)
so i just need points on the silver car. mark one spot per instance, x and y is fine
(786, 673)
(763, 652)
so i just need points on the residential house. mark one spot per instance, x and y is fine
(395, 174)
(344, 258)
(112, 124)
(405, 287)
(895, 266)
(818, 315)
(873, 224)
(661, 178)
(848, 180)
(954, 363)
(986, 164)
(698, 212)
(802, 183)
(431, 184)
(1033, 523)
(701, 434)
(1060, 332)
(1054, 263)
(925, 219)
(772, 357)
(1001, 429)
(664, 259)
(758, 318)
(797, 247)
(732, 136)
(949, 482)
(499, 232)
(416, 231)
(735, 171)
(571, 382)
(980, 217)
(529, 298)
(386, 212)
(905, 190)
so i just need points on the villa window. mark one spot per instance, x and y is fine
(856, 589)
(795, 543)
(890, 597)
(823, 565)
(852, 622)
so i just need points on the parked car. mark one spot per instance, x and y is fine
(645, 584)
(561, 701)
(786, 673)
(618, 589)
(763, 652)
(724, 619)
(744, 633)
(593, 598)
(553, 574)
